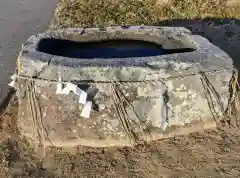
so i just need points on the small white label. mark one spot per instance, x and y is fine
(72, 87)
(65, 91)
(12, 84)
(164, 126)
(59, 88)
(13, 77)
(82, 97)
(79, 92)
(86, 110)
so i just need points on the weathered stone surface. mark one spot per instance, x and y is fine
(157, 89)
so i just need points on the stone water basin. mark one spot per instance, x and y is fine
(141, 82)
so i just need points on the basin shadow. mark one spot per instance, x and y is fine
(224, 33)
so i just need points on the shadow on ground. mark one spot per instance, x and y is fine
(224, 33)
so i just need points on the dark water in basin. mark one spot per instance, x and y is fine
(103, 49)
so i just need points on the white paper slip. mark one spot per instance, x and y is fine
(65, 91)
(164, 126)
(59, 88)
(12, 84)
(82, 97)
(86, 110)
(13, 77)
(79, 91)
(72, 87)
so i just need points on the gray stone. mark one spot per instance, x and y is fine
(153, 91)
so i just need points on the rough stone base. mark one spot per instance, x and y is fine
(199, 126)
(64, 127)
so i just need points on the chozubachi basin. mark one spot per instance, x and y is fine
(115, 86)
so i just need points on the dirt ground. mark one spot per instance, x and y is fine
(212, 153)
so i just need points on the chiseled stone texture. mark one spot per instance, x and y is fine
(171, 89)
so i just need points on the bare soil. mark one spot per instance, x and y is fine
(212, 153)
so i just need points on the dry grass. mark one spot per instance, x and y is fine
(91, 13)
